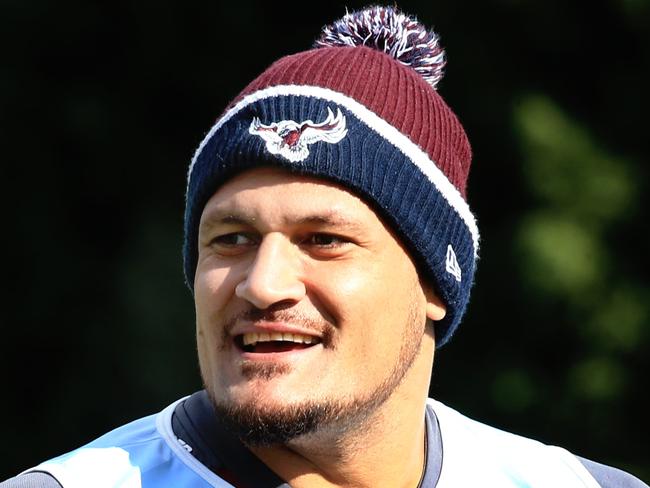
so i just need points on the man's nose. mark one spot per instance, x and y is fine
(274, 275)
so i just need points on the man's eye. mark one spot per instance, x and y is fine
(325, 240)
(233, 239)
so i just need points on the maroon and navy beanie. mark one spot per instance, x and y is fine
(360, 109)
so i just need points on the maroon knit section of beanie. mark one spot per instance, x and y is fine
(395, 92)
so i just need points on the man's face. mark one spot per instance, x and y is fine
(308, 308)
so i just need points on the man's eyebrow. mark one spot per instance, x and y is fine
(225, 218)
(328, 219)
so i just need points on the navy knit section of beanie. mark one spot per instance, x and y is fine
(364, 160)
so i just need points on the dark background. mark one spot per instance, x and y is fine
(102, 105)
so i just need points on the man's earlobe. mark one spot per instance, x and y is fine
(436, 309)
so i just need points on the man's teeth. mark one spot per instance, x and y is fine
(253, 338)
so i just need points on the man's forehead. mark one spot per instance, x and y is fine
(288, 198)
(279, 179)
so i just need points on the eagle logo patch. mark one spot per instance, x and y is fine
(291, 139)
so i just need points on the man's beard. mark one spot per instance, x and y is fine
(259, 425)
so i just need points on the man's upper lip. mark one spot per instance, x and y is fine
(268, 327)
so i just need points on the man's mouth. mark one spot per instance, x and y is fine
(270, 342)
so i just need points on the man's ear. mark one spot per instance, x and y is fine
(436, 309)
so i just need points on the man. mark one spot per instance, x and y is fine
(330, 250)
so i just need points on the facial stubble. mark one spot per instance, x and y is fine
(257, 425)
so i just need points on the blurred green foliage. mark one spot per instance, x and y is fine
(582, 192)
(102, 105)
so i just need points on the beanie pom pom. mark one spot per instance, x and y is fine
(393, 32)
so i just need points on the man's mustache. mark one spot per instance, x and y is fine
(318, 326)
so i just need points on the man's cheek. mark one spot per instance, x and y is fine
(212, 289)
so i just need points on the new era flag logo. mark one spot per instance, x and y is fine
(452, 264)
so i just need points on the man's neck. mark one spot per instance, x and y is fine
(391, 452)
(388, 449)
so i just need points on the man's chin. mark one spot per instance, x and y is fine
(252, 370)
(269, 425)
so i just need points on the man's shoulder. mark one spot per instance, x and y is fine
(117, 455)
(491, 444)
(103, 457)
(179, 446)
(611, 477)
(35, 479)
